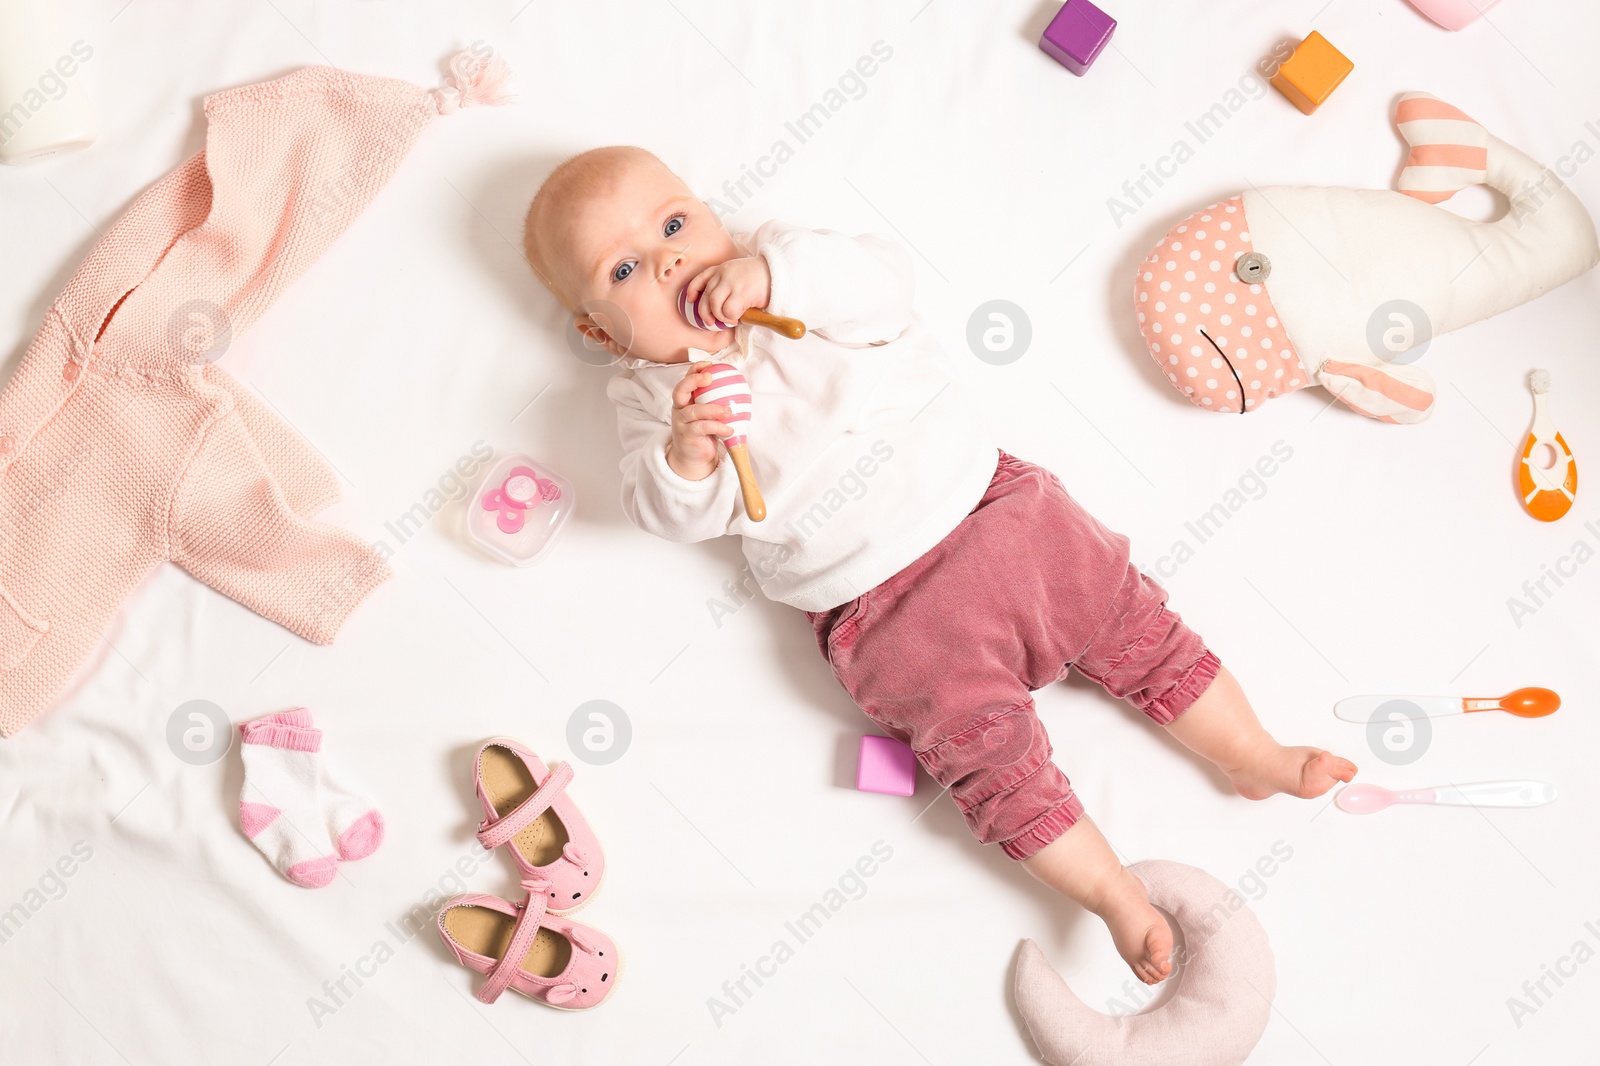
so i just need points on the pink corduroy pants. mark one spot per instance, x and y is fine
(945, 655)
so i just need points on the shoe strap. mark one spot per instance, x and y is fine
(530, 914)
(492, 834)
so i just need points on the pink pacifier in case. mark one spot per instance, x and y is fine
(518, 510)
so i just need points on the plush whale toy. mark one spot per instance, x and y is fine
(1280, 288)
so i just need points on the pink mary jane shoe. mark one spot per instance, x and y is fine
(526, 805)
(524, 947)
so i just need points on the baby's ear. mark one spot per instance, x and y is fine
(601, 330)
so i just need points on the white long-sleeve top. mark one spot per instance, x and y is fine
(862, 450)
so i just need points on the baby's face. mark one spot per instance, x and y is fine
(630, 250)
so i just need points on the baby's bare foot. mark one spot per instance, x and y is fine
(1142, 936)
(1303, 772)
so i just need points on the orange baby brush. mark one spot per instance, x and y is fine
(1547, 491)
(729, 388)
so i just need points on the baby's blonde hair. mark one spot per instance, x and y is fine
(573, 180)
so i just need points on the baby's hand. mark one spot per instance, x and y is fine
(696, 428)
(730, 289)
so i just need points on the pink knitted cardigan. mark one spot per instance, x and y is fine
(122, 445)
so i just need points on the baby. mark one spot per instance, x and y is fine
(945, 579)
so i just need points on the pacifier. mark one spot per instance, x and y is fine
(522, 489)
(518, 510)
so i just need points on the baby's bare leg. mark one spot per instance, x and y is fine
(1221, 726)
(1081, 866)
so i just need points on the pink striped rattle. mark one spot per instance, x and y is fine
(792, 328)
(729, 389)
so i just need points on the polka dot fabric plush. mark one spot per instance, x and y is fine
(1216, 337)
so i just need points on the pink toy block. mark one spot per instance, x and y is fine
(1077, 35)
(887, 765)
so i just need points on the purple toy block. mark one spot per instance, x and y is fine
(1076, 35)
(886, 765)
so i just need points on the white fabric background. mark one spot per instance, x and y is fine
(1378, 559)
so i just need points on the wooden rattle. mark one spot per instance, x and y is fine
(792, 328)
(729, 388)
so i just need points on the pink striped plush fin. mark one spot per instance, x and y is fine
(1398, 394)
(1449, 151)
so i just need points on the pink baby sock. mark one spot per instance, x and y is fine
(295, 811)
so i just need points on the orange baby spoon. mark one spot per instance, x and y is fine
(1547, 488)
(1524, 703)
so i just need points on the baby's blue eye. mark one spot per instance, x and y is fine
(674, 224)
(622, 271)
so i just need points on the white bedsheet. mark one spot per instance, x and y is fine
(1375, 559)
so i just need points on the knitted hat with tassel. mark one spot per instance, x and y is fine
(290, 163)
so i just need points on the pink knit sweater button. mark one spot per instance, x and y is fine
(70, 372)
(8, 444)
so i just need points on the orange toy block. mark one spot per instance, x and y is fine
(1309, 76)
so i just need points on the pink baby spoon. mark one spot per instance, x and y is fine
(1362, 798)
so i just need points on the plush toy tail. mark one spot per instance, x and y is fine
(1449, 151)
